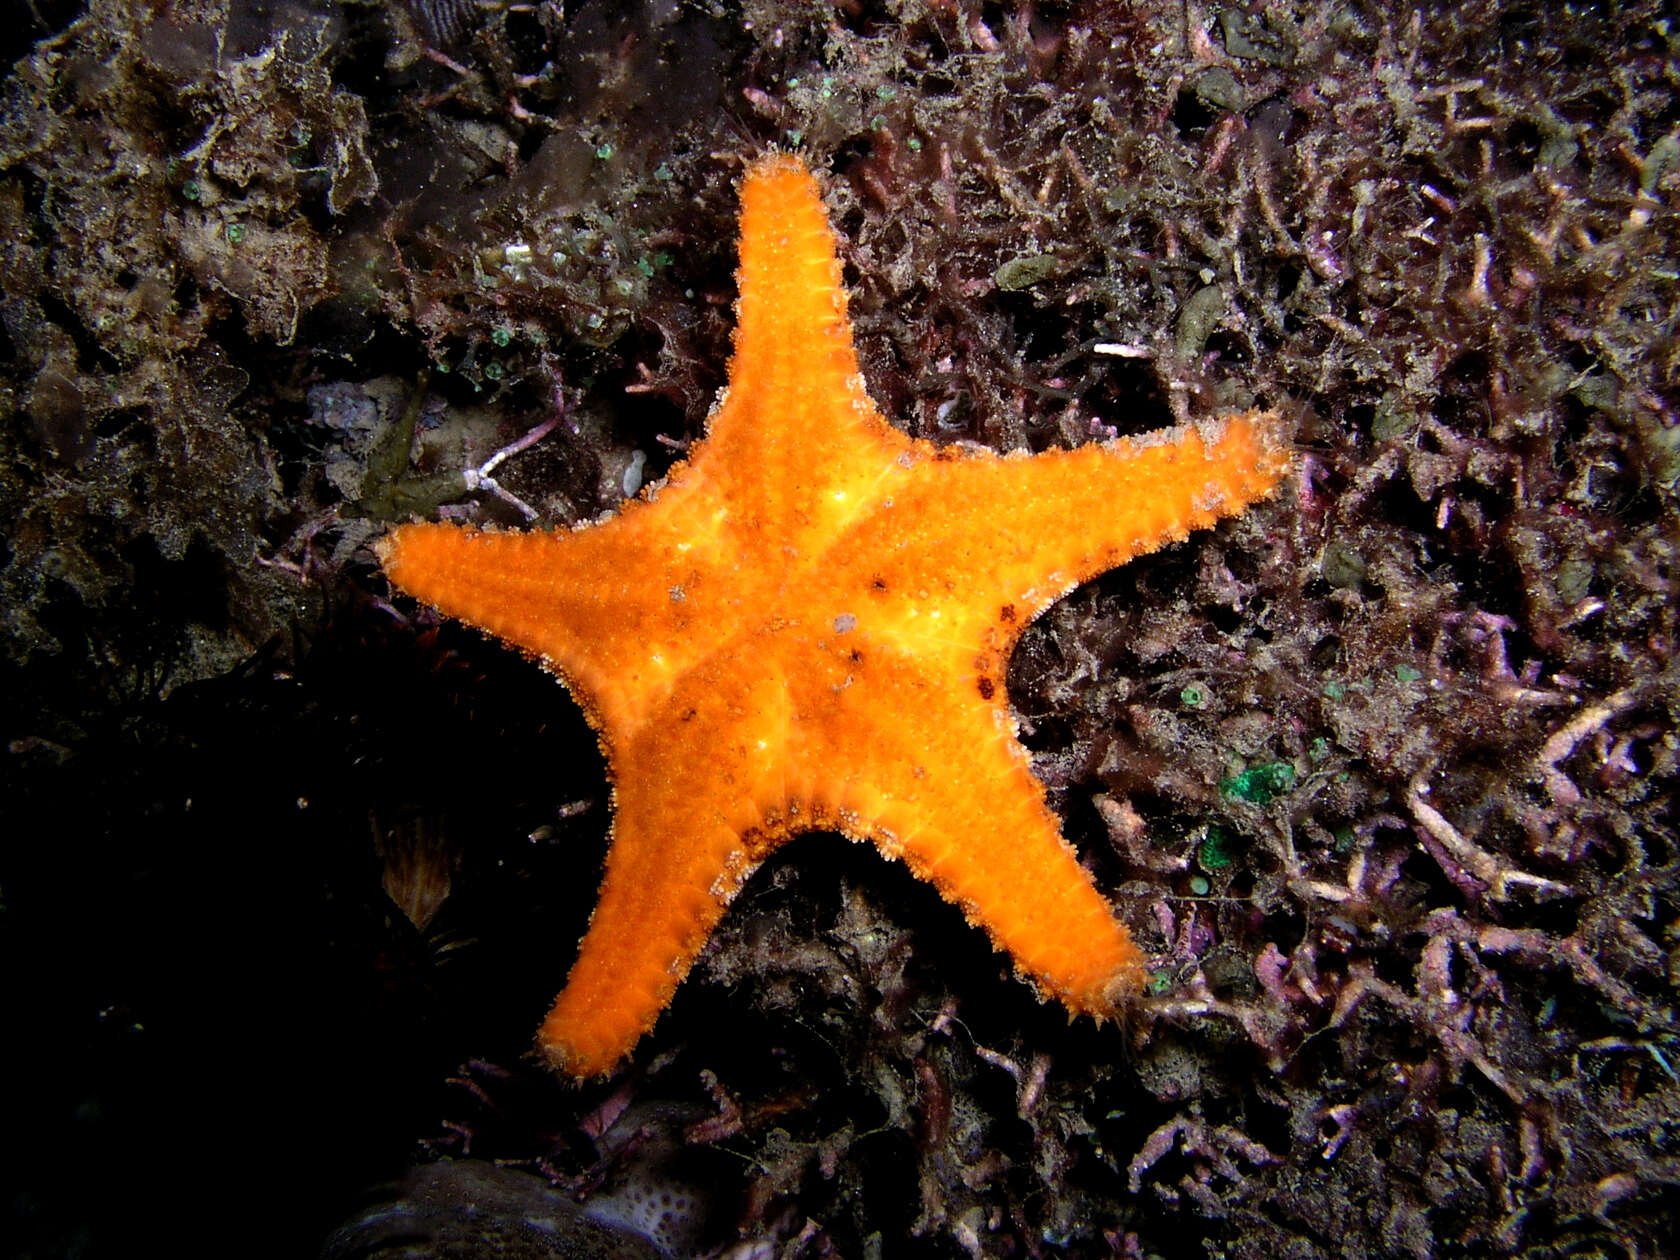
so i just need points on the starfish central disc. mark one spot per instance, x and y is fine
(807, 626)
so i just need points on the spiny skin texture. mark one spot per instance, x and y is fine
(807, 626)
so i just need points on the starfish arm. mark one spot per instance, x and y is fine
(1017, 878)
(796, 411)
(620, 609)
(936, 777)
(658, 905)
(999, 540)
(684, 839)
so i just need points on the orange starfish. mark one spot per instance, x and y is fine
(806, 627)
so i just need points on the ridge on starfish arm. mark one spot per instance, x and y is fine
(807, 625)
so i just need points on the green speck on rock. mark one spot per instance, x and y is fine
(1342, 566)
(1261, 784)
(1393, 417)
(1663, 157)
(1026, 271)
(1574, 577)
(1217, 88)
(1216, 852)
(1197, 318)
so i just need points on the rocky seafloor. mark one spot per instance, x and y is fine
(1381, 774)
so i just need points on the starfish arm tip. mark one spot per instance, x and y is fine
(581, 1054)
(387, 546)
(565, 1059)
(1126, 985)
(776, 162)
